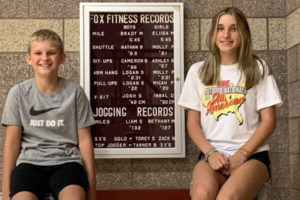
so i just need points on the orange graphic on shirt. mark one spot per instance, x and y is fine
(224, 98)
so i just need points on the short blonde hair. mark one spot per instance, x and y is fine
(45, 34)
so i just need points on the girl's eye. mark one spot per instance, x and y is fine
(233, 28)
(220, 28)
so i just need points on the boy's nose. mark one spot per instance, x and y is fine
(45, 56)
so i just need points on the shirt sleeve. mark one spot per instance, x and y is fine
(11, 112)
(190, 94)
(267, 93)
(84, 114)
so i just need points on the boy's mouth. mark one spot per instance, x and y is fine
(44, 65)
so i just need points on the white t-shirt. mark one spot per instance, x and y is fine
(229, 112)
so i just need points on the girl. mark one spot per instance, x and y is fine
(230, 99)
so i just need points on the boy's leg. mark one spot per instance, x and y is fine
(206, 182)
(245, 182)
(28, 182)
(72, 192)
(25, 195)
(69, 181)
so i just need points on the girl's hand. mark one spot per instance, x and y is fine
(218, 161)
(235, 161)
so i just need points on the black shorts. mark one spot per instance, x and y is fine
(262, 156)
(40, 180)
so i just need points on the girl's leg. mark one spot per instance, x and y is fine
(206, 182)
(245, 182)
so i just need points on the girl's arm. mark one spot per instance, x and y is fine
(264, 130)
(86, 148)
(261, 134)
(12, 146)
(216, 160)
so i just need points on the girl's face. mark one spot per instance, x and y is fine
(45, 58)
(228, 38)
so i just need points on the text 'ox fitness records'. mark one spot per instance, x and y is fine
(132, 79)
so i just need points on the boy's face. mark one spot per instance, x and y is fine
(45, 58)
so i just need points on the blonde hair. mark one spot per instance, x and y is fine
(210, 71)
(45, 34)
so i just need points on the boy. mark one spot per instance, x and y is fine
(48, 145)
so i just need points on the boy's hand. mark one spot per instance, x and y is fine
(91, 194)
(5, 196)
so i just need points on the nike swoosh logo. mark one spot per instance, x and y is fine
(39, 112)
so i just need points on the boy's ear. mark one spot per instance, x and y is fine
(62, 58)
(28, 59)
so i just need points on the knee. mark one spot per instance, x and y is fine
(227, 196)
(223, 197)
(72, 192)
(201, 193)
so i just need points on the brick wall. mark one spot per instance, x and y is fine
(275, 29)
(293, 58)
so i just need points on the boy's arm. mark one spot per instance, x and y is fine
(86, 148)
(11, 152)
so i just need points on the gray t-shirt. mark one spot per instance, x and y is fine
(50, 121)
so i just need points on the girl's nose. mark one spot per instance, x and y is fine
(226, 33)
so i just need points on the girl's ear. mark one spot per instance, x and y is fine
(245, 36)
